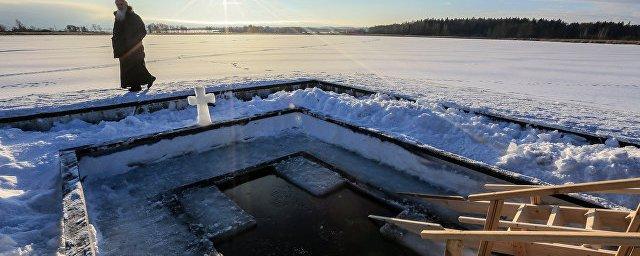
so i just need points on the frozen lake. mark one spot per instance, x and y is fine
(587, 87)
(598, 75)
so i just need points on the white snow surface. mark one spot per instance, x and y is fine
(590, 87)
(30, 210)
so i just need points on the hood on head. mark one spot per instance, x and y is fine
(129, 9)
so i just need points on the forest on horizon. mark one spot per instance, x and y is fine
(494, 28)
(515, 28)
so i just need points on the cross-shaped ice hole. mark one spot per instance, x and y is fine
(202, 100)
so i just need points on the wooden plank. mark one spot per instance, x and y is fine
(591, 224)
(493, 217)
(520, 214)
(634, 227)
(612, 220)
(509, 187)
(548, 249)
(535, 200)
(542, 249)
(417, 227)
(561, 189)
(428, 196)
(520, 249)
(454, 248)
(520, 225)
(591, 219)
(412, 226)
(569, 237)
(554, 216)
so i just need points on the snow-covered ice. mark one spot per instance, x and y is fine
(592, 87)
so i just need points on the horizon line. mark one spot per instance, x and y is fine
(316, 24)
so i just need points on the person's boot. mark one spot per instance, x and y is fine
(153, 79)
(135, 88)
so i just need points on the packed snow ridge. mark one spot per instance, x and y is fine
(29, 188)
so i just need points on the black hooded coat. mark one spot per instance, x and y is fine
(127, 47)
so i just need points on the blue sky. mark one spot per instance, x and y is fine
(58, 13)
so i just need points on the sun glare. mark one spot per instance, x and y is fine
(210, 5)
(226, 14)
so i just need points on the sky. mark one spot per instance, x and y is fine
(356, 13)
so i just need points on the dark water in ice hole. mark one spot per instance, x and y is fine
(294, 222)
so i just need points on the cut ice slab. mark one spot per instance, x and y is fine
(310, 176)
(218, 214)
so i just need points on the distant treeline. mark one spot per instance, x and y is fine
(159, 28)
(500, 28)
(20, 27)
(520, 28)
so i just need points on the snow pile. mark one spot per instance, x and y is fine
(540, 156)
(466, 134)
(29, 193)
(561, 162)
(572, 115)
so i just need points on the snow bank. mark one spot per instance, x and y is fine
(29, 206)
(560, 162)
(540, 156)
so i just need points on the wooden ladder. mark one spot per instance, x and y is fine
(519, 233)
(555, 237)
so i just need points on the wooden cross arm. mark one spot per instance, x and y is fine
(413, 226)
(429, 196)
(509, 187)
(561, 189)
(209, 98)
(568, 237)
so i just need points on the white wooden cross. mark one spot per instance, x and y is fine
(202, 100)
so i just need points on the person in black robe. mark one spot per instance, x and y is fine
(128, 32)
